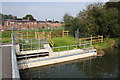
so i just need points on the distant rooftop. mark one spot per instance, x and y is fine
(20, 19)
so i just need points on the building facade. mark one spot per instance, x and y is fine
(22, 24)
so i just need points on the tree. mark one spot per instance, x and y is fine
(29, 16)
(67, 20)
(5, 16)
(97, 19)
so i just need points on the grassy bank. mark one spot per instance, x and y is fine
(108, 43)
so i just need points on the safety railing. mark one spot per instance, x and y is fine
(15, 70)
(58, 56)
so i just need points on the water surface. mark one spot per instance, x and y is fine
(94, 67)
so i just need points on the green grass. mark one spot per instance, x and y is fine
(6, 36)
(108, 43)
(63, 41)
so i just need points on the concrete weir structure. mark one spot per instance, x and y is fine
(29, 56)
(55, 57)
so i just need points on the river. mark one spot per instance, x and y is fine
(94, 67)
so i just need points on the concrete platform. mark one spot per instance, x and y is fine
(6, 61)
(32, 51)
(56, 60)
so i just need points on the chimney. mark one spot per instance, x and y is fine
(28, 18)
(53, 20)
(14, 17)
(45, 20)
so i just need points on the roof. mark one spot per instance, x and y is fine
(25, 20)
(19, 20)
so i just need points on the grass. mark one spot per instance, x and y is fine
(63, 41)
(108, 43)
(6, 36)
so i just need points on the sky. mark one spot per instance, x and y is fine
(43, 10)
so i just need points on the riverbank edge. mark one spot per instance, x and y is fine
(113, 43)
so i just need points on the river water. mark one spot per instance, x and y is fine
(94, 67)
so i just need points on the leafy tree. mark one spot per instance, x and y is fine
(5, 16)
(97, 19)
(67, 20)
(29, 16)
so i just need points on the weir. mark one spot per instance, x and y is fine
(29, 53)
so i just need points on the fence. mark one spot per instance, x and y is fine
(59, 53)
(37, 35)
(65, 33)
(29, 44)
(50, 41)
(91, 40)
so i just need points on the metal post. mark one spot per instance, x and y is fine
(76, 48)
(91, 41)
(31, 44)
(39, 44)
(83, 65)
(68, 49)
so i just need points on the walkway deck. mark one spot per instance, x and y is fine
(6, 62)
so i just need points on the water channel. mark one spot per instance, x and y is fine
(94, 67)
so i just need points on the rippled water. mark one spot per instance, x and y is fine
(95, 67)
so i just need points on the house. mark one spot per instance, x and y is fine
(27, 24)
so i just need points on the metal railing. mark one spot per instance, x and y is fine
(59, 51)
(48, 58)
(15, 70)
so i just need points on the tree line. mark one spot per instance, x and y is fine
(97, 19)
(9, 16)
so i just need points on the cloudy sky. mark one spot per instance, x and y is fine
(43, 10)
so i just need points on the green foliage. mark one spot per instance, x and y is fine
(29, 16)
(97, 19)
(67, 20)
(5, 16)
(6, 34)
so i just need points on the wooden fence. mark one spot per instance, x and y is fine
(51, 42)
(65, 33)
(37, 35)
(90, 40)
